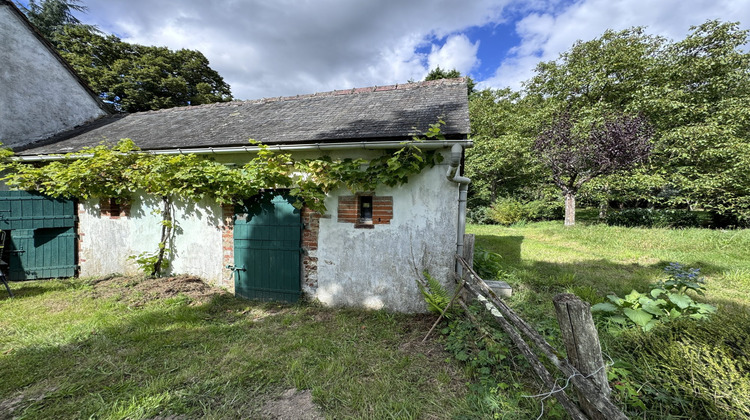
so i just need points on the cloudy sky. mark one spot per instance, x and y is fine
(266, 48)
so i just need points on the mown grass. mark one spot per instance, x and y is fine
(66, 354)
(682, 370)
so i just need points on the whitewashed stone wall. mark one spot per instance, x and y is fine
(39, 97)
(348, 266)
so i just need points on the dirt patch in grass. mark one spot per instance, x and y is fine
(292, 405)
(137, 291)
(9, 406)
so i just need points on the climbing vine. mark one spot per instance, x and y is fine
(123, 170)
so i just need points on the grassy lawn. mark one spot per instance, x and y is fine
(548, 258)
(72, 349)
(136, 348)
(684, 369)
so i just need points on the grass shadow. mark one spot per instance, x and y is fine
(224, 359)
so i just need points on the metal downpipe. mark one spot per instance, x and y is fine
(463, 188)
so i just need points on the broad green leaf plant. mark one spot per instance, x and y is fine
(668, 300)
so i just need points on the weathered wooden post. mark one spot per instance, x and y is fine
(469, 249)
(582, 345)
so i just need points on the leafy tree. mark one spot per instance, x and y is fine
(437, 73)
(619, 142)
(140, 78)
(701, 110)
(696, 94)
(501, 163)
(51, 16)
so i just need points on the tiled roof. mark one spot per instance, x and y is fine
(395, 112)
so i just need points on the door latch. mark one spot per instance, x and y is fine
(233, 268)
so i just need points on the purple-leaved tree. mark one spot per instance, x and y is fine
(618, 143)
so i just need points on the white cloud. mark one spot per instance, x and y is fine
(458, 53)
(547, 33)
(286, 47)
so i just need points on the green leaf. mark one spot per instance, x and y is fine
(616, 299)
(638, 316)
(655, 293)
(632, 297)
(649, 325)
(653, 308)
(604, 307)
(706, 308)
(682, 301)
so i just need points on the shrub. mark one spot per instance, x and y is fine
(487, 264)
(639, 217)
(688, 370)
(544, 210)
(479, 215)
(508, 210)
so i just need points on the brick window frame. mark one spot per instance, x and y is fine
(350, 210)
(113, 208)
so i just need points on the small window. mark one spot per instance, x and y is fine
(114, 208)
(365, 209)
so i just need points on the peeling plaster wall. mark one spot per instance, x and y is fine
(39, 97)
(106, 243)
(373, 268)
(377, 268)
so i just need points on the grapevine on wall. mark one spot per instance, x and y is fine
(103, 172)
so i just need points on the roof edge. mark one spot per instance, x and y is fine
(363, 145)
(56, 55)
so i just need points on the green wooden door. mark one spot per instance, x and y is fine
(41, 239)
(267, 248)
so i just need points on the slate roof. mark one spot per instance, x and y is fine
(395, 112)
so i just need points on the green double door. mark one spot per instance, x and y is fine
(267, 248)
(40, 235)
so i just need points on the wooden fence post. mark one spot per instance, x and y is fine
(582, 345)
(469, 249)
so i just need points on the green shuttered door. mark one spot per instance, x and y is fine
(267, 248)
(41, 232)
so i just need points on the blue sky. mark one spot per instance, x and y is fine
(286, 47)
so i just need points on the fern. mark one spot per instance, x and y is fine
(435, 295)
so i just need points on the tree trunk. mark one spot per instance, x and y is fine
(570, 208)
(604, 203)
(166, 232)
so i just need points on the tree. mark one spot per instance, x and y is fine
(132, 77)
(437, 73)
(503, 129)
(51, 16)
(619, 142)
(702, 109)
(695, 92)
(140, 78)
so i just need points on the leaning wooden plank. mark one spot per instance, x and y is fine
(536, 365)
(593, 394)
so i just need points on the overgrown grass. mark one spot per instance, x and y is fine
(65, 354)
(681, 370)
